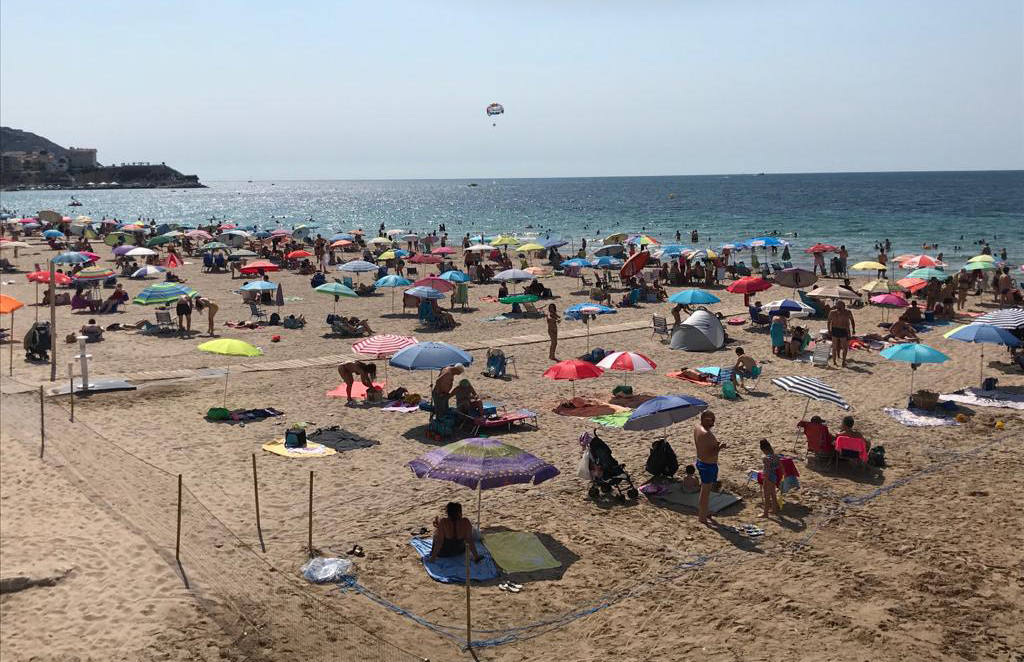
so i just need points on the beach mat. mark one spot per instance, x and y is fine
(358, 390)
(340, 440)
(518, 551)
(616, 420)
(681, 376)
(980, 398)
(587, 407)
(675, 495)
(309, 450)
(916, 418)
(452, 569)
(400, 407)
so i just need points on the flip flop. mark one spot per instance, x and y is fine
(356, 551)
(509, 587)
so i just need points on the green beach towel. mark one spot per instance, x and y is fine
(616, 420)
(516, 551)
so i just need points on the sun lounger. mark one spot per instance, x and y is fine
(822, 352)
(502, 420)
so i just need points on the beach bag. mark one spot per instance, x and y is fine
(583, 468)
(989, 384)
(876, 456)
(295, 438)
(729, 390)
(274, 319)
(789, 484)
(622, 389)
(662, 459)
(374, 395)
(218, 414)
(398, 393)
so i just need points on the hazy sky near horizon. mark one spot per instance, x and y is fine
(393, 89)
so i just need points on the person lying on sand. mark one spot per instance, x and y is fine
(697, 375)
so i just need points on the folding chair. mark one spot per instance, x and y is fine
(852, 449)
(584, 281)
(163, 319)
(531, 310)
(822, 353)
(659, 326)
(256, 312)
(510, 361)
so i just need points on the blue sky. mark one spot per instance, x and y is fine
(258, 90)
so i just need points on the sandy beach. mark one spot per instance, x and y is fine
(920, 560)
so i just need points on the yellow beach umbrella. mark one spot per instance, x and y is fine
(505, 240)
(387, 255)
(530, 247)
(881, 287)
(229, 347)
(869, 266)
(982, 258)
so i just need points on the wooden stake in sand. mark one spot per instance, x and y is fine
(71, 389)
(177, 537)
(256, 490)
(469, 627)
(42, 425)
(310, 540)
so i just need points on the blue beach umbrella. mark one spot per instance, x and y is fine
(673, 250)
(262, 234)
(71, 257)
(430, 356)
(984, 334)
(693, 297)
(553, 242)
(341, 235)
(583, 312)
(424, 292)
(53, 234)
(260, 286)
(763, 242)
(392, 281)
(606, 262)
(663, 411)
(575, 262)
(455, 276)
(794, 308)
(915, 354)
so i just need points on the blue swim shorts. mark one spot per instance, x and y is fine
(708, 472)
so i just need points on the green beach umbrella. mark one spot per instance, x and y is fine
(927, 273)
(520, 298)
(980, 266)
(214, 246)
(160, 239)
(159, 293)
(337, 290)
(229, 347)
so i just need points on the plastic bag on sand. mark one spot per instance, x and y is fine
(322, 570)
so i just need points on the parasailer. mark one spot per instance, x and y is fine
(495, 109)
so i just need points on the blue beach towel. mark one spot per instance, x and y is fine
(452, 569)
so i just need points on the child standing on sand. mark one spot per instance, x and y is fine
(771, 476)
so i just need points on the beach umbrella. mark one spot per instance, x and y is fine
(982, 258)
(584, 311)
(213, 246)
(70, 257)
(336, 290)
(455, 276)
(834, 292)
(383, 346)
(258, 266)
(980, 266)
(918, 261)
(643, 240)
(675, 250)
(732, 246)
(229, 347)
(358, 266)
(821, 248)
(606, 262)
(443, 250)
(53, 234)
(341, 243)
(394, 232)
(915, 354)
(299, 254)
(572, 370)
(260, 286)
(575, 262)
(614, 238)
(439, 284)
(693, 297)
(161, 239)
(538, 271)
(663, 411)
(881, 286)
(93, 274)
(912, 284)
(512, 275)
(812, 389)
(122, 249)
(7, 245)
(341, 236)
(387, 255)
(140, 251)
(1006, 318)
(199, 234)
(869, 266)
(379, 241)
(889, 300)
(532, 246)
(148, 270)
(610, 250)
(38, 277)
(392, 281)
(425, 258)
(482, 463)
(795, 277)
(8, 305)
(984, 334)
(553, 242)
(242, 253)
(764, 242)
(430, 356)
(412, 236)
(926, 273)
(160, 293)
(480, 248)
(627, 362)
(748, 285)
(424, 292)
(504, 240)
(279, 232)
(794, 308)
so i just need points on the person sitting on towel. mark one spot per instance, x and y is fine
(901, 331)
(690, 483)
(913, 314)
(452, 534)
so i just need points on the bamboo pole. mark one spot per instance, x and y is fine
(469, 620)
(71, 387)
(256, 491)
(11, 355)
(177, 537)
(310, 538)
(42, 425)
(53, 321)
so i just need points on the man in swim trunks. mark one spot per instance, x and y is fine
(743, 368)
(708, 448)
(841, 326)
(444, 387)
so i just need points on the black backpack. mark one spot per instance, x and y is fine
(275, 319)
(876, 456)
(662, 459)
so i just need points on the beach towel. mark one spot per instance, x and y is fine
(632, 401)
(736, 321)
(980, 398)
(587, 407)
(400, 407)
(339, 440)
(497, 318)
(309, 450)
(916, 418)
(452, 569)
(517, 551)
(616, 420)
(358, 390)
(673, 493)
(679, 375)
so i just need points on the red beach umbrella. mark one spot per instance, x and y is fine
(295, 255)
(572, 370)
(439, 284)
(254, 267)
(748, 285)
(443, 250)
(821, 248)
(425, 258)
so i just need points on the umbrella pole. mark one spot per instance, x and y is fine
(469, 626)
(227, 370)
(11, 355)
(912, 371)
(981, 368)
(479, 524)
(392, 300)
(37, 309)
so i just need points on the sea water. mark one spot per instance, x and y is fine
(943, 210)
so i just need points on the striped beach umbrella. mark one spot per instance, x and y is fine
(148, 270)
(93, 274)
(812, 389)
(383, 346)
(627, 362)
(160, 293)
(1007, 318)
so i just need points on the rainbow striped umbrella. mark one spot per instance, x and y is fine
(163, 293)
(93, 274)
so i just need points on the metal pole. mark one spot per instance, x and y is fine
(981, 368)
(11, 355)
(42, 425)
(177, 537)
(310, 539)
(256, 490)
(71, 387)
(53, 322)
(469, 627)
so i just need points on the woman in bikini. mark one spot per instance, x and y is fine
(452, 534)
(366, 372)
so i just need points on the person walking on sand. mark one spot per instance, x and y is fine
(841, 326)
(204, 303)
(708, 448)
(553, 318)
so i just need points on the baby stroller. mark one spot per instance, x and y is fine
(37, 342)
(605, 473)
